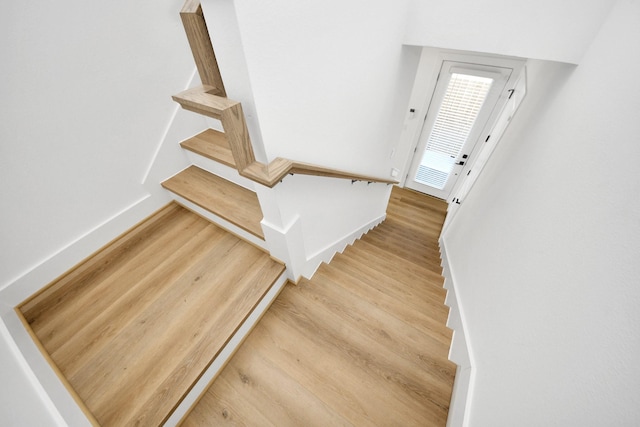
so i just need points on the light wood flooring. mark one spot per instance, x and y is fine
(362, 343)
(135, 325)
(215, 194)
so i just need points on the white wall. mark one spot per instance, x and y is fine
(22, 402)
(86, 101)
(544, 29)
(544, 250)
(330, 79)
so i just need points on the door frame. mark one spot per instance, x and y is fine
(494, 100)
(466, 183)
(429, 66)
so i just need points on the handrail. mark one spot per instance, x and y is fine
(200, 43)
(204, 100)
(210, 100)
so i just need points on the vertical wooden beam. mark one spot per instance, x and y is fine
(201, 47)
(235, 128)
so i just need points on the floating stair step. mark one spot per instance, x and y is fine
(230, 201)
(135, 326)
(203, 100)
(211, 144)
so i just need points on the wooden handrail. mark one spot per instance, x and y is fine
(210, 100)
(201, 47)
(203, 100)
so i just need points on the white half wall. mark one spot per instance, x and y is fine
(545, 29)
(544, 250)
(307, 219)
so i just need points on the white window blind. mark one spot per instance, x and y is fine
(460, 107)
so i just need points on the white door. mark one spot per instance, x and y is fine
(464, 98)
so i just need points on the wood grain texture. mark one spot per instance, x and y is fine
(211, 144)
(204, 100)
(237, 133)
(134, 326)
(230, 201)
(358, 344)
(198, 36)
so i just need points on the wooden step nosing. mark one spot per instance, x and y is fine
(191, 399)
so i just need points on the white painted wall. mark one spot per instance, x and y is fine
(544, 29)
(23, 403)
(330, 79)
(544, 250)
(86, 102)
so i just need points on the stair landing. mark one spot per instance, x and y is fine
(133, 327)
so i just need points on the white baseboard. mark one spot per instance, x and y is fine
(459, 353)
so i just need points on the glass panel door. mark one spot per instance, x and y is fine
(463, 99)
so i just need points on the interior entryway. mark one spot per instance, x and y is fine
(460, 114)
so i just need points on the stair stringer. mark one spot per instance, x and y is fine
(169, 158)
(460, 353)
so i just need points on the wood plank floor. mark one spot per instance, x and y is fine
(363, 343)
(135, 325)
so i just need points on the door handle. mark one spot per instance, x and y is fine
(460, 163)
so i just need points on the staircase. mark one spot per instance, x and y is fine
(363, 342)
(139, 330)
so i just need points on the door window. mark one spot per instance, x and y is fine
(462, 102)
(457, 115)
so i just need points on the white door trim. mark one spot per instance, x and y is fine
(424, 85)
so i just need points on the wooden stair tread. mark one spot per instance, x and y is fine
(391, 263)
(175, 304)
(230, 201)
(417, 290)
(211, 144)
(204, 100)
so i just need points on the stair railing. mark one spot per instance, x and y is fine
(210, 100)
